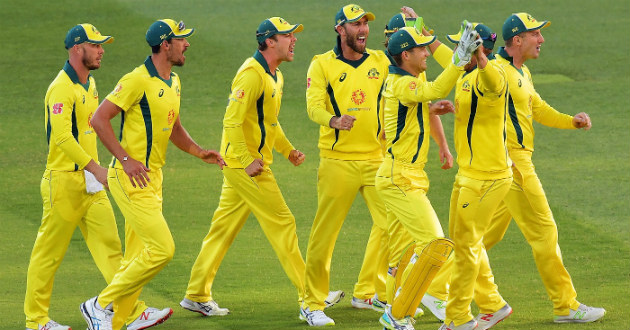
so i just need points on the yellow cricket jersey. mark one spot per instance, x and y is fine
(407, 126)
(337, 86)
(481, 111)
(150, 107)
(250, 126)
(525, 104)
(69, 106)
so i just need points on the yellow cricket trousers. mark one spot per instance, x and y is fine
(373, 273)
(473, 203)
(527, 204)
(411, 218)
(67, 205)
(240, 196)
(338, 182)
(149, 245)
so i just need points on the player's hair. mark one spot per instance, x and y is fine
(397, 58)
(263, 45)
(156, 49)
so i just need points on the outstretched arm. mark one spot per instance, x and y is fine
(185, 142)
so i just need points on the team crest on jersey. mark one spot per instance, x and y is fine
(95, 94)
(466, 86)
(373, 74)
(358, 96)
(57, 108)
(171, 116)
(412, 85)
(239, 94)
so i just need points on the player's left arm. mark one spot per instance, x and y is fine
(548, 116)
(437, 133)
(284, 146)
(185, 142)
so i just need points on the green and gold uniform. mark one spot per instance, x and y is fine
(251, 130)
(68, 107)
(526, 201)
(401, 181)
(348, 159)
(482, 182)
(150, 107)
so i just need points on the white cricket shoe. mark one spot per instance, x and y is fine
(487, 321)
(150, 317)
(333, 298)
(96, 317)
(362, 303)
(378, 305)
(583, 314)
(208, 308)
(51, 325)
(315, 318)
(392, 323)
(435, 305)
(470, 325)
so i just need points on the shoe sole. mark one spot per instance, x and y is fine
(160, 321)
(361, 305)
(329, 304)
(200, 312)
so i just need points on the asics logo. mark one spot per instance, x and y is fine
(343, 77)
(465, 205)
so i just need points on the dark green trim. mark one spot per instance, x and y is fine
(397, 70)
(120, 137)
(260, 110)
(333, 102)
(503, 53)
(263, 62)
(148, 125)
(72, 74)
(400, 124)
(471, 121)
(75, 129)
(421, 135)
(515, 123)
(148, 63)
(48, 126)
(378, 111)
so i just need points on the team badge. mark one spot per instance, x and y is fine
(95, 94)
(57, 108)
(239, 94)
(412, 85)
(161, 92)
(358, 96)
(466, 86)
(177, 90)
(118, 88)
(171, 116)
(373, 74)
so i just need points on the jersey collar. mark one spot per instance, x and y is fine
(397, 70)
(339, 54)
(510, 59)
(148, 63)
(72, 74)
(261, 60)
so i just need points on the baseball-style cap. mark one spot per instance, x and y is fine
(167, 29)
(521, 22)
(275, 25)
(400, 21)
(407, 38)
(352, 13)
(85, 33)
(485, 34)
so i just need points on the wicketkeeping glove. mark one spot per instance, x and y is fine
(468, 43)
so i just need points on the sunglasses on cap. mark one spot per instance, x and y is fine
(492, 37)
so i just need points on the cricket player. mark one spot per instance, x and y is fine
(343, 96)
(251, 131)
(483, 179)
(72, 185)
(149, 99)
(401, 181)
(526, 201)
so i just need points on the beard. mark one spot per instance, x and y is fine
(90, 65)
(352, 43)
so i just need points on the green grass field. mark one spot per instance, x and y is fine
(583, 67)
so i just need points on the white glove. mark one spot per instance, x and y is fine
(468, 43)
(92, 186)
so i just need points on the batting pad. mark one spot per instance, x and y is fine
(402, 264)
(423, 269)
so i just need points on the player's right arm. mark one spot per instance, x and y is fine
(101, 122)
(413, 90)
(492, 78)
(60, 104)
